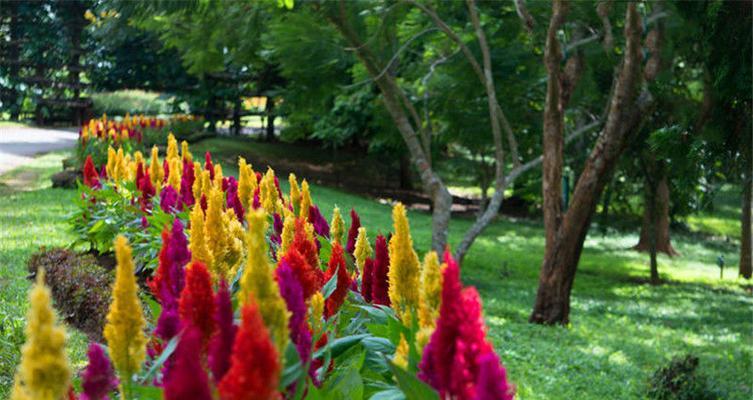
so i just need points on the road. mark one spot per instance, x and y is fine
(19, 145)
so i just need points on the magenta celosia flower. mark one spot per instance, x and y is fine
(279, 191)
(179, 255)
(98, 379)
(321, 227)
(380, 284)
(186, 184)
(103, 172)
(221, 345)
(292, 292)
(165, 169)
(257, 200)
(451, 360)
(492, 379)
(187, 378)
(208, 165)
(367, 286)
(355, 223)
(168, 324)
(230, 186)
(276, 236)
(168, 199)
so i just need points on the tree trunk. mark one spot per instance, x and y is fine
(746, 255)
(658, 220)
(237, 117)
(392, 96)
(560, 262)
(270, 109)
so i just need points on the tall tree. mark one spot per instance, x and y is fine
(566, 231)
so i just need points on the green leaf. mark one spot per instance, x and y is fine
(388, 394)
(412, 387)
(340, 345)
(157, 364)
(330, 286)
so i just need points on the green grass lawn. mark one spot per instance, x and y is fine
(622, 329)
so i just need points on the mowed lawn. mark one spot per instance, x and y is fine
(621, 328)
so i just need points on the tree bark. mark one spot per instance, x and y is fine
(656, 217)
(270, 119)
(746, 234)
(552, 305)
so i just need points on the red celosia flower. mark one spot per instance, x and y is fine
(186, 379)
(306, 247)
(208, 165)
(91, 177)
(452, 359)
(144, 184)
(163, 267)
(310, 278)
(255, 367)
(367, 279)
(221, 344)
(492, 379)
(197, 300)
(355, 223)
(336, 266)
(380, 283)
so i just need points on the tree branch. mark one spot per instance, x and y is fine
(525, 16)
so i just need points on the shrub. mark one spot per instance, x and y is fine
(80, 287)
(124, 102)
(680, 380)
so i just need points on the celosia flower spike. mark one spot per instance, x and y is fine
(221, 345)
(98, 379)
(355, 223)
(197, 301)
(295, 192)
(187, 378)
(404, 271)
(380, 281)
(336, 265)
(44, 372)
(199, 247)
(91, 177)
(305, 200)
(255, 367)
(291, 291)
(124, 331)
(258, 280)
(362, 250)
(337, 226)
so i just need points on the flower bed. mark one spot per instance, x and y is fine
(252, 294)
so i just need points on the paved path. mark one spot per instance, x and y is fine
(19, 145)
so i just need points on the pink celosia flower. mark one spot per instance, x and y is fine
(233, 201)
(492, 379)
(292, 292)
(208, 165)
(187, 378)
(452, 359)
(98, 379)
(186, 184)
(321, 227)
(168, 199)
(380, 283)
(221, 344)
(355, 223)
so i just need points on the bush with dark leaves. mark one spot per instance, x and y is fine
(680, 380)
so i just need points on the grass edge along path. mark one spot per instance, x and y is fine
(622, 329)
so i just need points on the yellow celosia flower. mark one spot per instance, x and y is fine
(258, 279)
(185, 154)
(337, 227)
(430, 292)
(217, 176)
(305, 200)
(317, 312)
(44, 372)
(198, 242)
(197, 182)
(246, 183)
(119, 172)
(112, 159)
(404, 271)
(363, 250)
(402, 353)
(174, 178)
(172, 147)
(233, 247)
(124, 330)
(216, 233)
(268, 192)
(295, 192)
(288, 231)
(156, 173)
